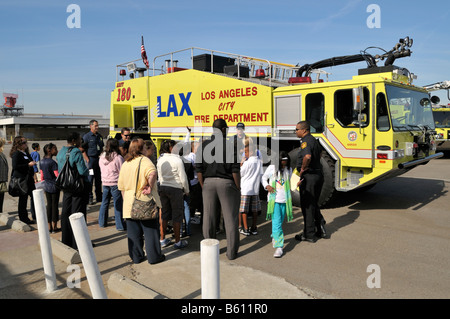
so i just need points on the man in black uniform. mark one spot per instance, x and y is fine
(311, 181)
(94, 141)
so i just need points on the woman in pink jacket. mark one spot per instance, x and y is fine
(110, 163)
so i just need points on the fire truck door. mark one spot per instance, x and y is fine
(349, 130)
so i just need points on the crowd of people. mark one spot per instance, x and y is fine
(188, 178)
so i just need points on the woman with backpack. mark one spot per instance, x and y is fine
(73, 201)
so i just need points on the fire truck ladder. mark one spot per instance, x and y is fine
(444, 85)
(274, 73)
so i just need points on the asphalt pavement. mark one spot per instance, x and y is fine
(178, 277)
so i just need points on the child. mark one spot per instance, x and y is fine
(276, 181)
(49, 173)
(36, 157)
(251, 171)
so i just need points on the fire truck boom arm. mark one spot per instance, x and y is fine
(400, 50)
(444, 85)
(339, 60)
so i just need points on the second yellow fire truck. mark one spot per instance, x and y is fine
(373, 126)
(441, 115)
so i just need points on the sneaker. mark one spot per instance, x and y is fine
(254, 231)
(195, 220)
(301, 237)
(245, 232)
(181, 244)
(165, 242)
(278, 253)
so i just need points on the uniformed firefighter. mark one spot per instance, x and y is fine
(311, 181)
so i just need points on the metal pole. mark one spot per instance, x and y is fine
(209, 251)
(90, 265)
(44, 240)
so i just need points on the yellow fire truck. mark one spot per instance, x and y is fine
(374, 126)
(441, 115)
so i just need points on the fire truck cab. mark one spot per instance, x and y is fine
(373, 126)
(441, 115)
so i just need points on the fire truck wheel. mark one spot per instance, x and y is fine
(328, 191)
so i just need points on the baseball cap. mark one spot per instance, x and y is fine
(240, 125)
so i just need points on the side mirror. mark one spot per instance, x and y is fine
(435, 99)
(358, 99)
(362, 118)
(425, 102)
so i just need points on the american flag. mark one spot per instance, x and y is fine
(144, 54)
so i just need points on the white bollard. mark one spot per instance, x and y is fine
(88, 259)
(44, 239)
(209, 251)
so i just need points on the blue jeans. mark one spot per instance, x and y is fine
(140, 231)
(114, 192)
(187, 215)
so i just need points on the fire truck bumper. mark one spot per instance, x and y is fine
(419, 161)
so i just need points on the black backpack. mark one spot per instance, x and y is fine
(69, 179)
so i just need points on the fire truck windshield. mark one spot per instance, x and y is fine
(410, 109)
(441, 119)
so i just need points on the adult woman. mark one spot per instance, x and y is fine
(72, 202)
(110, 162)
(49, 173)
(140, 230)
(3, 174)
(22, 166)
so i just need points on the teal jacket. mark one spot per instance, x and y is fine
(75, 159)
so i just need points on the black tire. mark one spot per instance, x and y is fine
(328, 192)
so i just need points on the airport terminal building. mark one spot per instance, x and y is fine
(49, 126)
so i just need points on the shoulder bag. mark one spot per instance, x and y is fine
(18, 186)
(69, 179)
(143, 210)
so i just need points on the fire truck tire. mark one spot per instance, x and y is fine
(328, 192)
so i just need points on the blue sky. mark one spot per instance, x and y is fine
(56, 69)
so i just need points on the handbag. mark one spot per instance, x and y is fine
(18, 186)
(69, 179)
(143, 210)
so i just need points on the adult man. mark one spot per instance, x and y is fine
(94, 141)
(125, 134)
(311, 181)
(126, 137)
(239, 139)
(218, 173)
